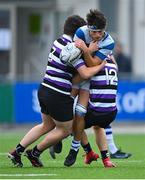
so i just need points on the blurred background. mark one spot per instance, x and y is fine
(27, 29)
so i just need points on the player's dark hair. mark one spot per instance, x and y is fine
(96, 18)
(72, 23)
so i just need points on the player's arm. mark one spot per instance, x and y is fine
(87, 72)
(91, 60)
(77, 79)
(98, 56)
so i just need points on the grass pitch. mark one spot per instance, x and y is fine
(132, 168)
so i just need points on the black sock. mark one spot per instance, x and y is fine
(36, 152)
(104, 154)
(20, 149)
(87, 148)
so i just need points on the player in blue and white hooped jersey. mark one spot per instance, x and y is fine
(54, 99)
(105, 45)
(100, 46)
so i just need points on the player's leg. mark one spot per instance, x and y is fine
(102, 145)
(114, 151)
(80, 111)
(57, 148)
(35, 133)
(90, 154)
(78, 125)
(62, 112)
(110, 140)
(62, 130)
(99, 121)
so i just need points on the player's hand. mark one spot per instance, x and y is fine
(100, 66)
(93, 46)
(79, 43)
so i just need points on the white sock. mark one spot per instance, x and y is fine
(110, 140)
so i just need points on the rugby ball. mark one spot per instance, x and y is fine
(70, 53)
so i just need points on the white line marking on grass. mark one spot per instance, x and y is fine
(22, 175)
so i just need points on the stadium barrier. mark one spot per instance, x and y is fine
(19, 102)
(27, 108)
(131, 101)
(6, 103)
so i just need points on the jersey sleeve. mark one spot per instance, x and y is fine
(105, 49)
(79, 35)
(78, 63)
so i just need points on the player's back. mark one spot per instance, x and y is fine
(103, 89)
(58, 76)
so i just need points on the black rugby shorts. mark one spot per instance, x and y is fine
(100, 119)
(59, 106)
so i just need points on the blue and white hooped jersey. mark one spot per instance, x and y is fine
(106, 45)
(103, 89)
(58, 76)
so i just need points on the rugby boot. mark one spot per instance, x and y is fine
(120, 155)
(57, 148)
(91, 156)
(35, 161)
(15, 158)
(71, 158)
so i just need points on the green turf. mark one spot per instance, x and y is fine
(132, 168)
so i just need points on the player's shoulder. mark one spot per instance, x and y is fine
(82, 33)
(107, 39)
(82, 29)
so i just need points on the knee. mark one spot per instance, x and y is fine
(80, 110)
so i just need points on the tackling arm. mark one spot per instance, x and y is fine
(86, 72)
(77, 79)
